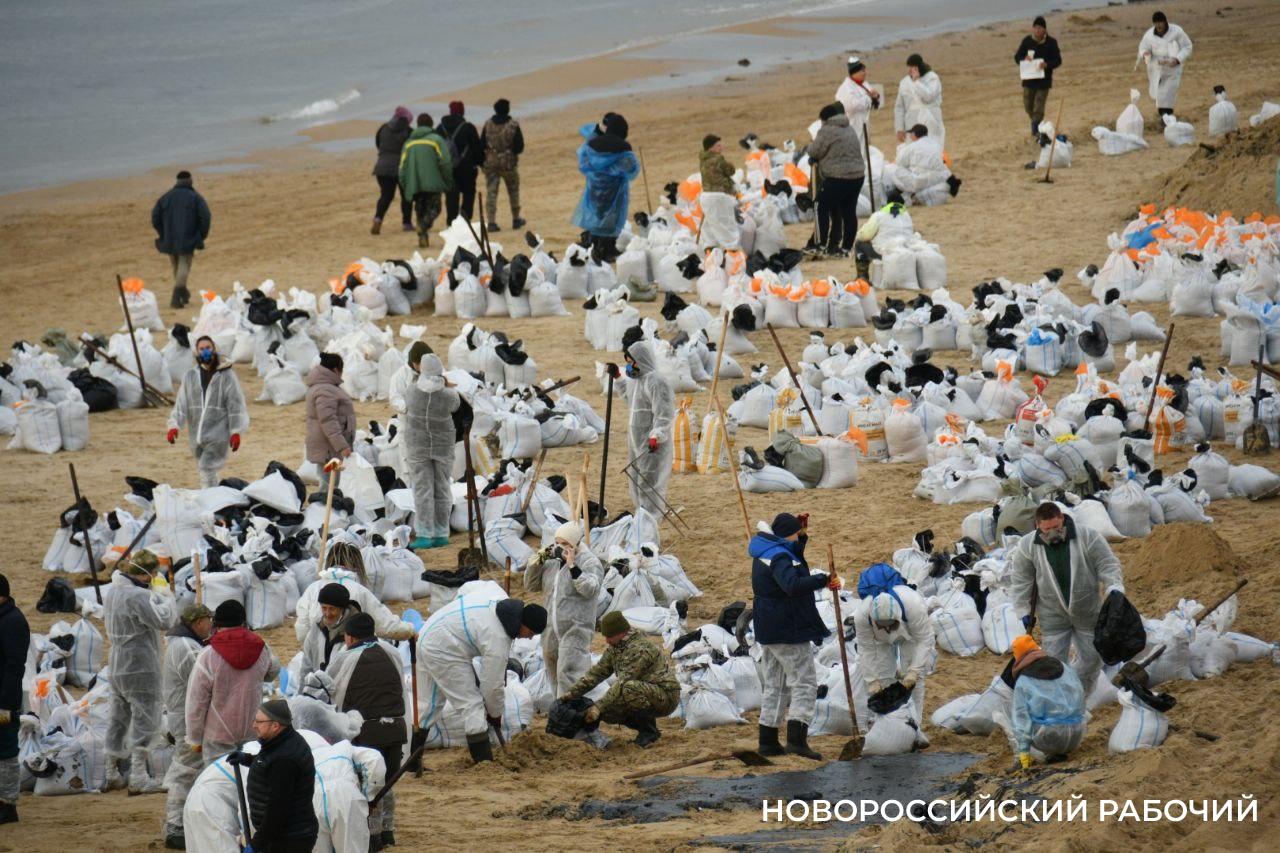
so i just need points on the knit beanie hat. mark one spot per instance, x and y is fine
(334, 595)
(709, 140)
(278, 710)
(570, 532)
(502, 107)
(359, 626)
(456, 108)
(534, 617)
(195, 613)
(785, 524)
(1022, 645)
(230, 614)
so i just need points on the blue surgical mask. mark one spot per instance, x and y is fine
(205, 355)
(631, 369)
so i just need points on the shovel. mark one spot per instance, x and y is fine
(81, 504)
(749, 757)
(852, 750)
(246, 830)
(1257, 441)
(328, 513)
(523, 515)
(471, 556)
(794, 379)
(1137, 669)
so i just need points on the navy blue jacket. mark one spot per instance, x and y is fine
(784, 608)
(181, 220)
(14, 639)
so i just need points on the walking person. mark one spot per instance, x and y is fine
(281, 784)
(331, 417)
(1041, 48)
(919, 101)
(1165, 48)
(607, 162)
(787, 626)
(426, 171)
(429, 447)
(837, 154)
(857, 98)
(719, 197)
(15, 637)
(211, 405)
(367, 678)
(467, 152)
(181, 220)
(390, 140)
(182, 647)
(502, 141)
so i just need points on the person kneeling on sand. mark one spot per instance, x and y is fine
(919, 171)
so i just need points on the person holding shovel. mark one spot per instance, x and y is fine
(572, 576)
(429, 447)
(653, 412)
(1064, 565)
(211, 406)
(787, 625)
(184, 642)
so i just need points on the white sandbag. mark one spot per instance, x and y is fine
(1249, 649)
(283, 384)
(1252, 481)
(905, 435)
(1211, 653)
(770, 478)
(266, 602)
(979, 718)
(1129, 509)
(73, 424)
(38, 429)
(1000, 623)
(88, 650)
(899, 270)
(780, 311)
(752, 408)
(1130, 121)
(705, 709)
(931, 268)
(895, 733)
(276, 492)
(949, 715)
(746, 682)
(956, 623)
(839, 463)
(1140, 726)
(544, 301)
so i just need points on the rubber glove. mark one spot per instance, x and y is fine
(591, 714)
(1024, 760)
(909, 681)
(653, 444)
(332, 465)
(575, 572)
(172, 435)
(1027, 622)
(159, 584)
(834, 583)
(235, 441)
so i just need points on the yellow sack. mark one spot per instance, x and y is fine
(481, 458)
(782, 417)
(682, 439)
(713, 454)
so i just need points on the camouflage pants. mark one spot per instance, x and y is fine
(511, 177)
(631, 698)
(427, 206)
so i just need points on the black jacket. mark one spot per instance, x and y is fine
(1048, 51)
(376, 690)
(181, 219)
(467, 140)
(281, 781)
(390, 140)
(15, 636)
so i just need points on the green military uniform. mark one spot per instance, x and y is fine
(644, 687)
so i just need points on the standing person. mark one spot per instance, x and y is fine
(649, 429)
(787, 625)
(140, 608)
(331, 417)
(643, 689)
(226, 684)
(607, 162)
(1165, 48)
(211, 404)
(426, 171)
(1065, 564)
(1048, 703)
(467, 153)
(719, 198)
(429, 447)
(390, 140)
(367, 678)
(919, 101)
(452, 638)
(281, 784)
(1042, 48)
(502, 141)
(181, 219)
(894, 635)
(15, 637)
(857, 98)
(571, 574)
(837, 153)
(183, 645)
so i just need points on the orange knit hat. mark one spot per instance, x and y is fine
(1022, 645)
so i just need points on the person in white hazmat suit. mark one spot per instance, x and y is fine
(1065, 564)
(919, 172)
(428, 447)
(857, 98)
(896, 643)
(347, 778)
(182, 646)
(313, 710)
(1165, 48)
(653, 410)
(210, 406)
(456, 634)
(140, 609)
(919, 101)
(571, 575)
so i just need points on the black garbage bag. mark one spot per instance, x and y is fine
(889, 699)
(728, 618)
(99, 394)
(1118, 634)
(58, 597)
(565, 719)
(451, 579)
(1162, 702)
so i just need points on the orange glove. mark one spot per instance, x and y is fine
(235, 441)
(834, 583)
(172, 435)
(332, 465)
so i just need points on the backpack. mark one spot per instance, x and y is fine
(878, 578)
(455, 156)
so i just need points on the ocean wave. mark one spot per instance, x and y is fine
(315, 109)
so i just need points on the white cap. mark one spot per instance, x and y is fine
(570, 532)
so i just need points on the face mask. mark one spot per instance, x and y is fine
(1054, 537)
(205, 355)
(631, 369)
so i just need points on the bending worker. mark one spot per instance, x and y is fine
(1048, 703)
(653, 410)
(429, 443)
(571, 574)
(894, 635)
(211, 406)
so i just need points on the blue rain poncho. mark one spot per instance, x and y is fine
(603, 207)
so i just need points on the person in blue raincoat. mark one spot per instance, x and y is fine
(607, 161)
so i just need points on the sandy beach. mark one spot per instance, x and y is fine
(301, 216)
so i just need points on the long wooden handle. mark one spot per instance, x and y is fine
(328, 511)
(195, 569)
(679, 765)
(533, 484)
(715, 377)
(1155, 385)
(871, 183)
(1221, 601)
(844, 654)
(794, 379)
(84, 532)
(1057, 125)
(733, 468)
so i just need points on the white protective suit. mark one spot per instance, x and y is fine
(316, 641)
(181, 649)
(857, 103)
(1163, 75)
(653, 409)
(347, 778)
(571, 613)
(210, 417)
(887, 227)
(428, 447)
(308, 608)
(888, 656)
(920, 102)
(451, 639)
(919, 172)
(1065, 624)
(135, 618)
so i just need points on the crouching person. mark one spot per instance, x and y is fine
(1048, 704)
(644, 688)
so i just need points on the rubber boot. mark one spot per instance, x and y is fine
(424, 238)
(140, 779)
(769, 744)
(798, 740)
(8, 813)
(175, 842)
(479, 747)
(953, 185)
(518, 223)
(181, 296)
(388, 838)
(647, 726)
(115, 779)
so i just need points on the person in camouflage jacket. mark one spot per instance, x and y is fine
(644, 687)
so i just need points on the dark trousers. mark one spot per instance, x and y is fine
(388, 185)
(290, 845)
(462, 199)
(1033, 103)
(838, 212)
(427, 206)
